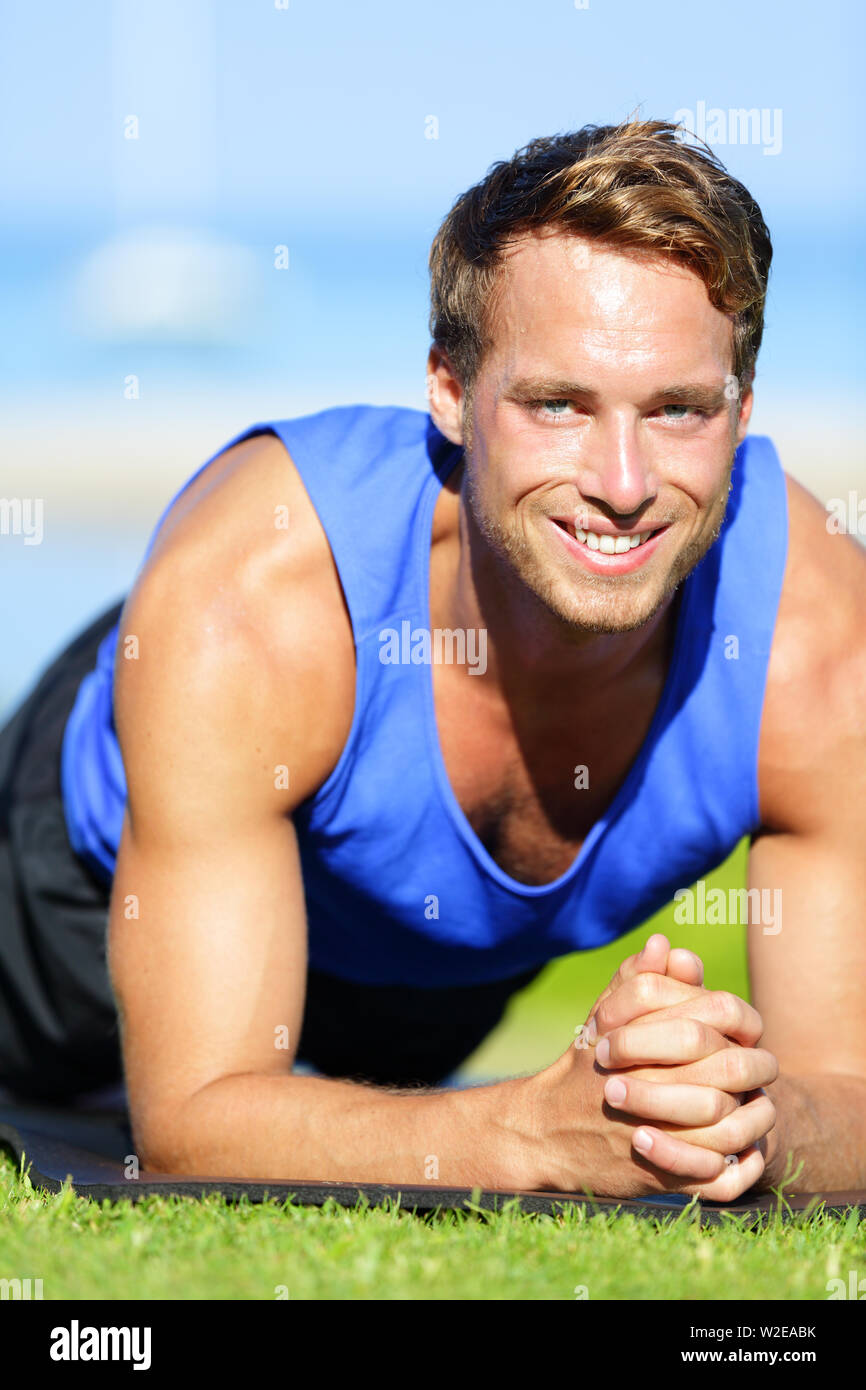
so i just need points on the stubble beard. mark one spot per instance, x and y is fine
(591, 603)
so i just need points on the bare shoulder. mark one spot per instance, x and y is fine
(239, 621)
(814, 722)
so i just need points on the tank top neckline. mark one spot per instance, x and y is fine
(421, 548)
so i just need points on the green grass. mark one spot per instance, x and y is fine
(181, 1249)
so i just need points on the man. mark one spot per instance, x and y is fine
(323, 843)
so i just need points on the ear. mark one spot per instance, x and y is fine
(444, 395)
(747, 400)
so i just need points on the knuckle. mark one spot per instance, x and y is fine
(772, 1065)
(733, 1009)
(739, 1133)
(705, 1038)
(624, 970)
(721, 1170)
(729, 1069)
(690, 1033)
(767, 1112)
(720, 1107)
(762, 1067)
(757, 1023)
(646, 988)
(724, 1005)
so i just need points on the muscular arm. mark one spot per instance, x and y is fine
(807, 983)
(808, 978)
(244, 668)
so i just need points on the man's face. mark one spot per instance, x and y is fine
(601, 405)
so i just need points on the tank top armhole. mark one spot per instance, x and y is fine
(780, 558)
(328, 792)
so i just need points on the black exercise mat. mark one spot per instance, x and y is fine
(90, 1150)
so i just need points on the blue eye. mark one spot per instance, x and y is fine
(549, 409)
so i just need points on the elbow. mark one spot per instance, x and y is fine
(164, 1137)
(195, 1135)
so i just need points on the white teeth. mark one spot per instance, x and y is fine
(610, 545)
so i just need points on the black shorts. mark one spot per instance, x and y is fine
(59, 1034)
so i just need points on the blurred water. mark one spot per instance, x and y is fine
(309, 127)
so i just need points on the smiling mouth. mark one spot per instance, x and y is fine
(608, 545)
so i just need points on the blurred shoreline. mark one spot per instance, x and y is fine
(105, 471)
(99, 463)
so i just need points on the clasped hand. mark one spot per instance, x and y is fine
(673, 1083)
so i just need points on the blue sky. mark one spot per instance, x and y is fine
(305, 126)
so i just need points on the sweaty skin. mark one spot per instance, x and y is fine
(246, 664)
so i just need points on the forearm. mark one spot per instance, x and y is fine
(821, 1123)
(301, 1127)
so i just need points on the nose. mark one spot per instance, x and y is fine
(616, 474)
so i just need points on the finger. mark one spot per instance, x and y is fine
(656, 958)
(685, 966)
(744, 1126)
(734, 1181)
(666, 1042)
(733, 1069)
(660, 997)
(675, 1156)
(726, 1012)
(653, 957)
(642, 994)
(701, 1108)
(727, 1129)
(702, 1055)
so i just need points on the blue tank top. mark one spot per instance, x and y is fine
(399, 888)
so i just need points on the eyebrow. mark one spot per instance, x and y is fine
(555, 388)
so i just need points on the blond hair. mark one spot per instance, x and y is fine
(634, 186)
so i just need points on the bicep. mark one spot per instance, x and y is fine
(207, 930)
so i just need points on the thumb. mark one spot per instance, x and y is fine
(659, 958)
(685, 966)
(653, 957)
